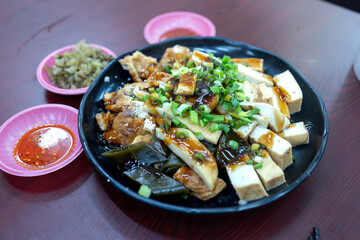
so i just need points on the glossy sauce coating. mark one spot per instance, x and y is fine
(267, 139)
(177, 32)
(282, 101)
(44, 145)
(190, 146)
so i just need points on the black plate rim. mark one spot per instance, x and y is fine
(205, 211)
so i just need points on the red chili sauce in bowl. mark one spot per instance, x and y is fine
(177, 32)
(44, 145)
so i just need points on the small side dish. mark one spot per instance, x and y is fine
(71, 69)
(79, 67)
(39, 140)
(192, 114)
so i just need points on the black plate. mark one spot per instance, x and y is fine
(306, 157)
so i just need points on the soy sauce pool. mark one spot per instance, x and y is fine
(43, 146)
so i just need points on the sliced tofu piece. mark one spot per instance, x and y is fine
(256, 64)
(245, 181)
(198, 57)
(263, 121)
(197, 186)
(187, 84)
(211, 137)
(270, 174)
(296, 134)
(253, 76)
(290, 89)
(279, 101)
(279, 149)
(186, 148)
(244, 131)
(257, 92)
(277, 120)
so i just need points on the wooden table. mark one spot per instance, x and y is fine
(319, 39)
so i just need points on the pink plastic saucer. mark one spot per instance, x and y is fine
(16, 126)
(163, 23)
(49, 61)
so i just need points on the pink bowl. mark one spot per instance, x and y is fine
(42, 74)
(163, 23)
(16, 126)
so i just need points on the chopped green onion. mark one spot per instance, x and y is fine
(215, 89)
(190, 64)
(183, 126)
(249, 161)
(144, 191)
(205, 108)
(174, 105)
(182, 135)
(199, 136)
(238, 109)
(245, 64)
(163, 99)
(255, 147)
(199, 156)
(201, 123)
(214, 127)
(194, 117)
(292, 156)
(176, 121)
(233, 144)
(218, 118)
(224, 127)
(145, 98)
(167, 69)
(247, 98)
(258, 165)
(239, 96)
(207, 116)
(185, 196)
(175, 112)
(151, 89)
(155, 101)
(228, 98)
(166, 123)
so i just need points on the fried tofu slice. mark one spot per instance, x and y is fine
(197, 186)
(256, 64)
(295, 134)
(198, 57)
(290, 89)
(174, 57)
(245, 181)
(186, 148)
(270, 174)
(139, 65)
(279, 149)
(244, 131)
(253, 76)
(211, 137)
(258, 92)
(187, 84)
(277, 120)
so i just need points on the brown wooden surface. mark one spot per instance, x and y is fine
(318, 38)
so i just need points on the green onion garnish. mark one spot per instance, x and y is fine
(249, 161)
(258, 165)
(214, 127)
(199, 156)
(224, 127)
(233, 145)
(190, 64)
(182, 135)
(145, 98)
(199, 136)
(144, 191)
(218, 118)
(176, 121)
(174, 105)
(205, 108)
(247, 98)
(194, 117)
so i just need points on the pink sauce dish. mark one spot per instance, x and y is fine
(39, 140)
(178, 24)
(49, 60)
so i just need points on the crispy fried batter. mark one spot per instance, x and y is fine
(175, 57)
(139, 65)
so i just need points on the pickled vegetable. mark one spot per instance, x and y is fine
(78, 68)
